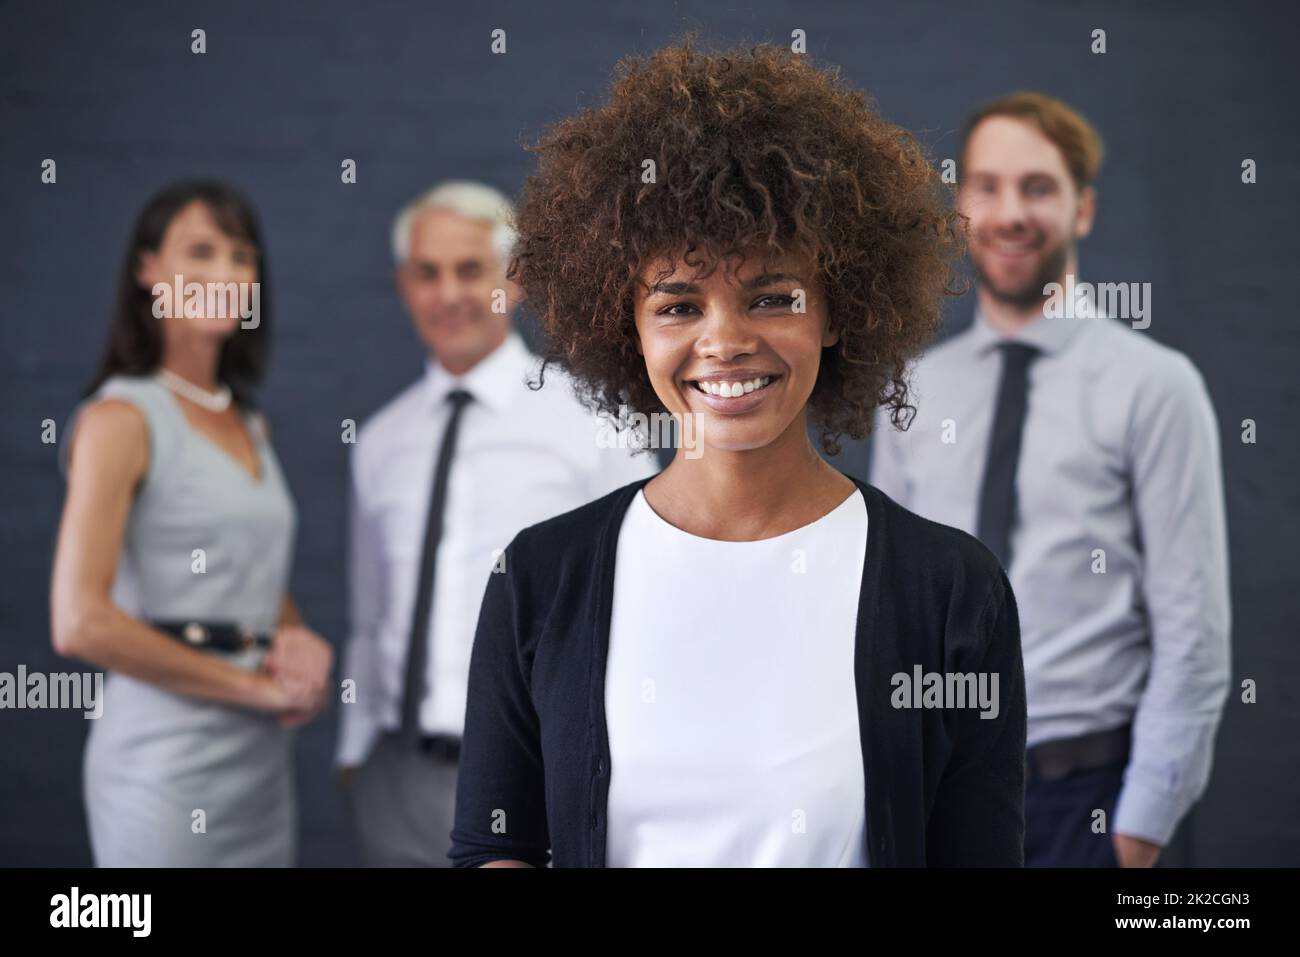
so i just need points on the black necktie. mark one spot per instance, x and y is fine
(998, 491)
(417, 652)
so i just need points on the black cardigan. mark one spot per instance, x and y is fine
(943, 787)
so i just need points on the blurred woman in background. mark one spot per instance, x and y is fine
(173, 556)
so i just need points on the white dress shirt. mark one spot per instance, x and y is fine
(521, 456)
(1119, 552)
(730, 696)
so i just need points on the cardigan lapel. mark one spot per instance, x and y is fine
(877, 773)
(602, 614)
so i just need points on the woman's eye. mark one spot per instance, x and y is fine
(774, 300)
(201, 251)
(668, 310)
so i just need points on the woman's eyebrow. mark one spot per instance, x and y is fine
(687, 288)
(769, 279)
(673, 289)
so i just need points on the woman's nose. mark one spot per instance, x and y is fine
(727, 333)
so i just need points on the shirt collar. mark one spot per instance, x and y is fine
(1047, 335)
(494, 382)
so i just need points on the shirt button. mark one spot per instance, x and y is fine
(600, 767)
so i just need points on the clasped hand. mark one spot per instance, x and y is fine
(299, 664)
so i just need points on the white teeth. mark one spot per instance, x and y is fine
(728, 390)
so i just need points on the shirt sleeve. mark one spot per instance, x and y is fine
(1178, 499)
(978, 818)
(359, 723)
(500, 788)
(889, 459)
(616, 467)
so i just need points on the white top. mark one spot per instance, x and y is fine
(730, 697)
(521, 456)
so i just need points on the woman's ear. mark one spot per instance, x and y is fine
(830, 336)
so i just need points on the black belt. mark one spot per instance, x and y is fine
(217, 636)
(444, 747)
(1053, 760)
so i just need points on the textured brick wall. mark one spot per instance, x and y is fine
(411, 92)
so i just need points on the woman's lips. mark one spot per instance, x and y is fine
(733, 405)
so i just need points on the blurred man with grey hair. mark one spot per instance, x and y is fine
(442, 477)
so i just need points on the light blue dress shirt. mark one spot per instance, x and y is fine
(1119, 551)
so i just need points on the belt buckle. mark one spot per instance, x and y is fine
(194, 633)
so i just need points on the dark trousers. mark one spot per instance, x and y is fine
(1059, 815)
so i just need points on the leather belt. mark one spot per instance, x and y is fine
(1053, 760)
(444, 747)
(215, 636)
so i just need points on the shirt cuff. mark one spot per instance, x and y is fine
(357, 735)
(1147, 812)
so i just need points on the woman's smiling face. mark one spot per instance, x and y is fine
(740, 348)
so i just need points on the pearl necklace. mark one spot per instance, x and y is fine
(217, 401)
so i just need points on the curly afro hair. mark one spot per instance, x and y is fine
(754, 150)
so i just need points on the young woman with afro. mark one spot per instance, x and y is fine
(750, 659)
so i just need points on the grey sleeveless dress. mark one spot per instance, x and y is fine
(171, 780)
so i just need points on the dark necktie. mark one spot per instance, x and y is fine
(998, 491)
(417, 652)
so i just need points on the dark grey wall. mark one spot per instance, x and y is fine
(410, 91)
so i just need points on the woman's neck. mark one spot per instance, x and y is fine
(752, 494)
(194, 359)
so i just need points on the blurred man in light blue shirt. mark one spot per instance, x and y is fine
(1086, 456)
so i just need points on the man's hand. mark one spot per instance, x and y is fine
(1135, 852)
